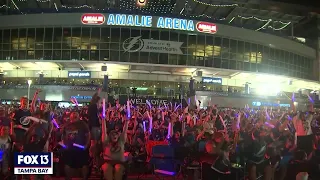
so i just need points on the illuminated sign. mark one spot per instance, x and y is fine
(135, 44)
(82, 97)
(257, 104)
(93, 19)
(79, 74)
(206, 27)
(211, 80)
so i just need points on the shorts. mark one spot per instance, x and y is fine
(95, 133)
(76, 158)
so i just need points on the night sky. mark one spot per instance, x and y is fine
(313, 3)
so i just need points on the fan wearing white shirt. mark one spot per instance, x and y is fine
(302, 125)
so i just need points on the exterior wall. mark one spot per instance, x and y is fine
(73, 19)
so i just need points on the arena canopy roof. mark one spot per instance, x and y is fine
(258, 15)
(230, 77)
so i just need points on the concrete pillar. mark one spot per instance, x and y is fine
(192, 94)
(41, 78)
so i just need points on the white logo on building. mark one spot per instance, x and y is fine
(135, 44)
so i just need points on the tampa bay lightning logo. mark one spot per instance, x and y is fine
(133, 44)
(24, 121)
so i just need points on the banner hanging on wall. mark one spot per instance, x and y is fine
(135, 44)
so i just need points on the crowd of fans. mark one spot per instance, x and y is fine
(278, 144)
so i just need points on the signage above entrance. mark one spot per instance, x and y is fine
(206, 27)
(139, 21)
(79, 74)
(92, 19)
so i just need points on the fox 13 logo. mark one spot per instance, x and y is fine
(33, 163)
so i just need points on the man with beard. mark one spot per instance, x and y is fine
(76, 140)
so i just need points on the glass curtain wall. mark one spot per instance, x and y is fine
(106, 44)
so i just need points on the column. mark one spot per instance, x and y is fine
(105, 85)
(1, 78)
(41, 77)
(192, 94)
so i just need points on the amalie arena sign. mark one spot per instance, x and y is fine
(148, 22)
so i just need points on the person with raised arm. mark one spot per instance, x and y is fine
(94, 123)
(113, 149)
(21, 125)
(302, 125)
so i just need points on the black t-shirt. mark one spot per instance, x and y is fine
(35, 147)
(19, 117)
(93, 115)
(76, 132)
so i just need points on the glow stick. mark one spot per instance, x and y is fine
(150, 122)
(61, 144)
(189, 100)
(292, 97)
(78, 145)
(177, 107)
(76, 101)
(144, 126)
(128, 109)
(55, 123)
(148, 103)
(270, 125)
(169, 130)
(310, 99)
(104, 108)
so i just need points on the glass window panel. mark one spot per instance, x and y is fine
(8, 46)
(75, 54)
(1, 40)
(174, 36)
(57, 37)
(47, 55)
(14, 40)
(31, 32)
(66, 55)
(105, 34)
(39, 55)
(56, 54)
(164, 35)
(183, 38)
(233, 46)
(217, 47)
(155, 34)
(39, 35)
(125, 34)
(84, 55)
(104, 55)
(74, 41)
(48, 35)
(22, 41)
(115, 35)
(6, 36)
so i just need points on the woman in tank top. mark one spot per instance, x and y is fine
(113, 151)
